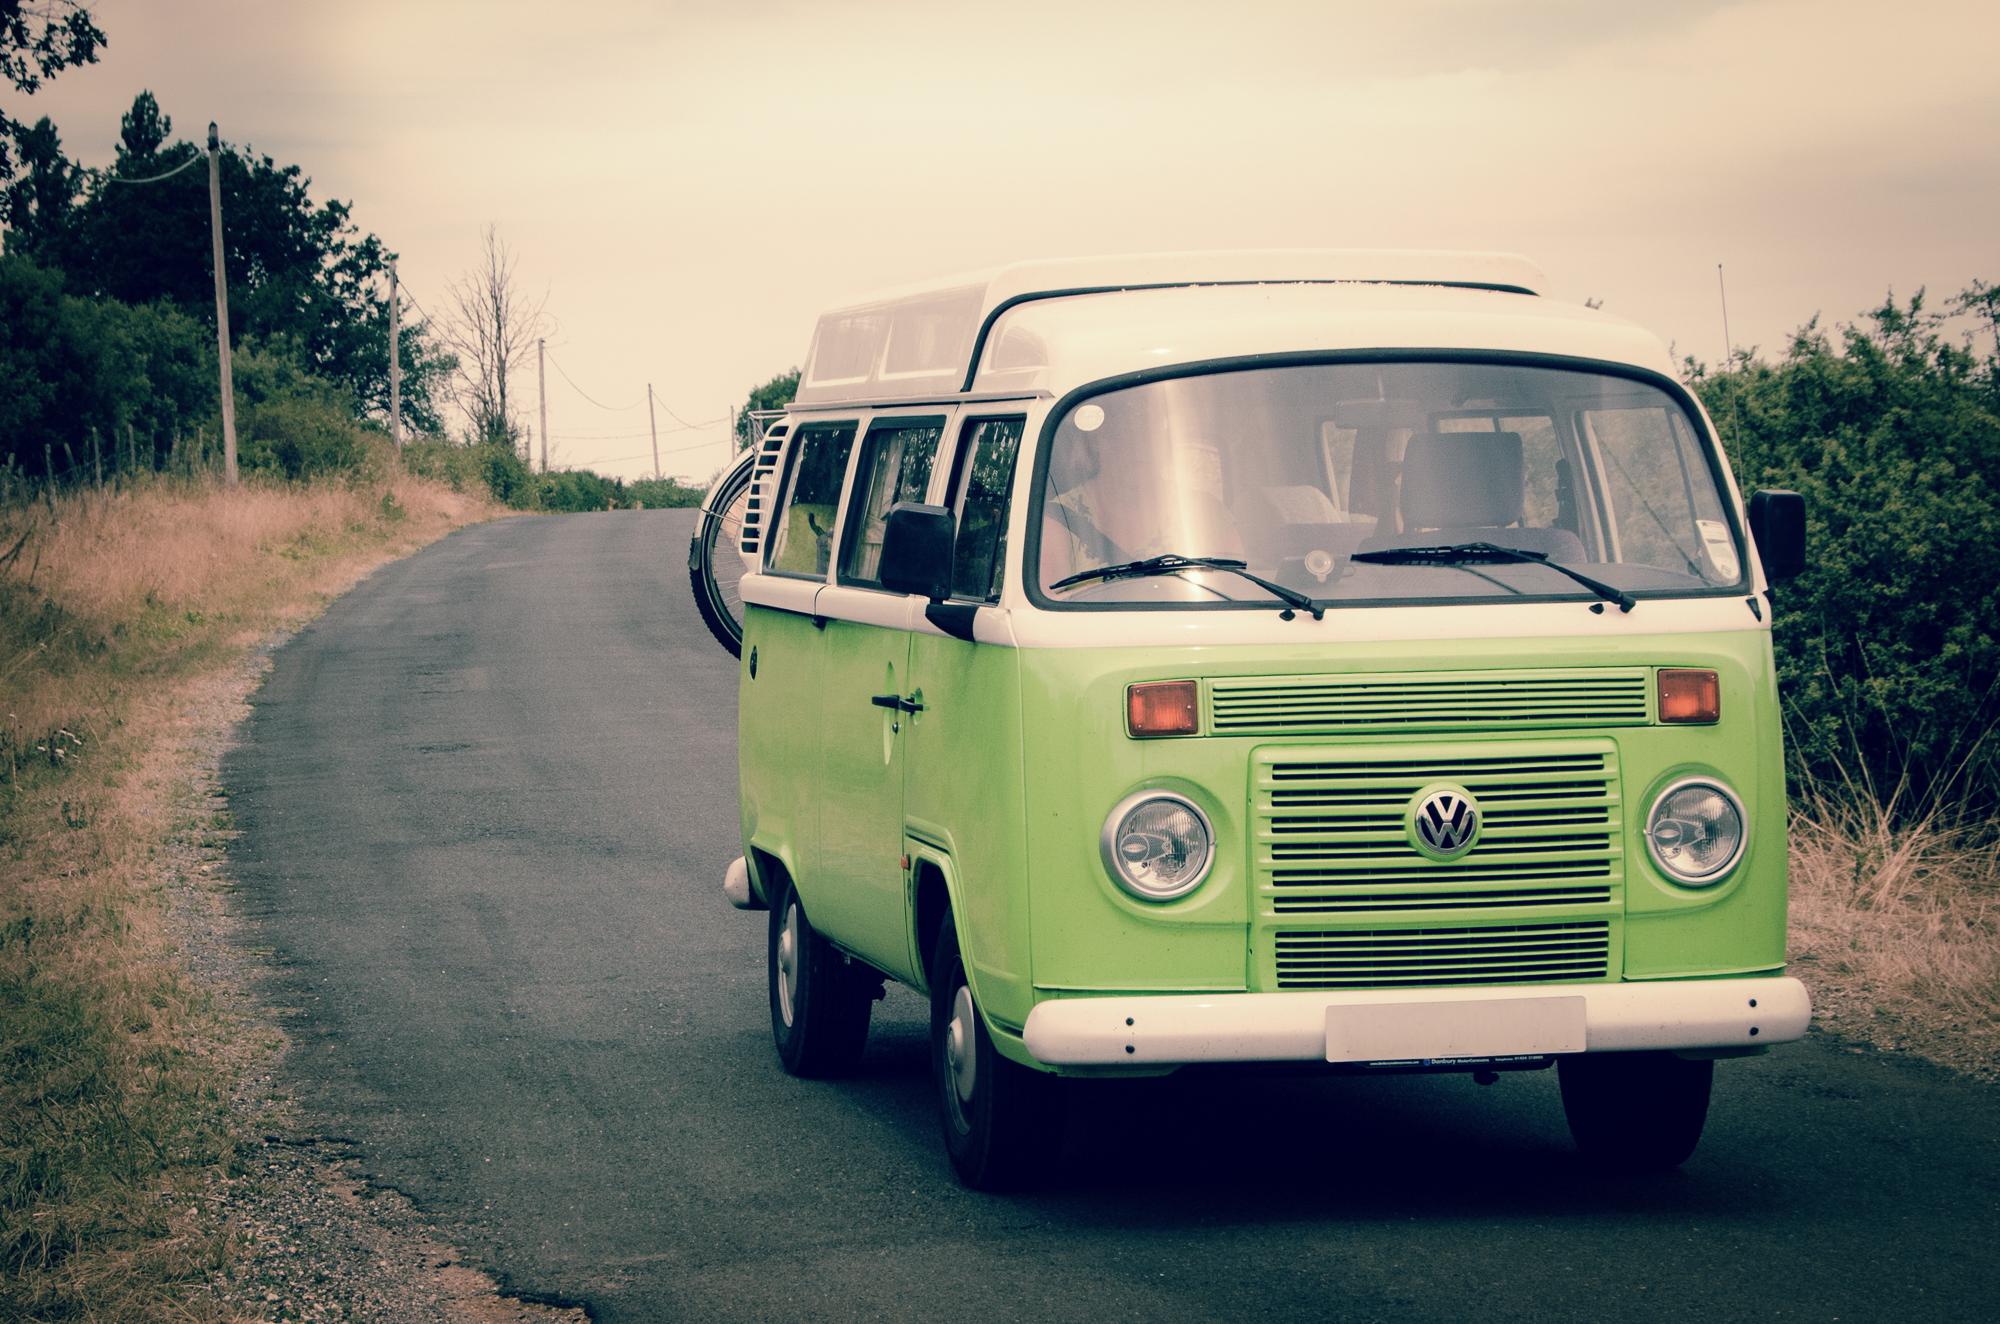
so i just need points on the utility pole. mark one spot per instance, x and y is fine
(395, 362)
(542, 385)
(655, 429)
(733, 446)
(222, 308)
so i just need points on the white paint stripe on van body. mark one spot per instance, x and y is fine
(1022, 625)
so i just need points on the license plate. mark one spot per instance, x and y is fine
(1421, 1031)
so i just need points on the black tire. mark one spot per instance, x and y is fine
(1003, 1128)
(1635, 1112)
(820, 1002)
(714, 564)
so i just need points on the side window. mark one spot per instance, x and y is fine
(897, 468)
(802, 537)
(979, 491)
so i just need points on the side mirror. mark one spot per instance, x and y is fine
(916, 550)
(1778, 524)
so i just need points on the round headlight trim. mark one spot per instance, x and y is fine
(1114, 830)
(1715, 874)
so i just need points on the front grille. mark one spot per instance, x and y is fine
(1330, 833)
(1438, 701)
(1488, 954)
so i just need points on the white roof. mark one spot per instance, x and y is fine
(1055, 346)
(919, 341)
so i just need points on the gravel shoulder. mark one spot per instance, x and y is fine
(308, 1238)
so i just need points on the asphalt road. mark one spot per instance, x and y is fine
(486, 803)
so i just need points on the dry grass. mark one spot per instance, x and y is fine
(116, 607)
(1895, 926)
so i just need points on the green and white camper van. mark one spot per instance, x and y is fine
(1343, 658)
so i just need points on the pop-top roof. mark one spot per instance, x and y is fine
(921, 341)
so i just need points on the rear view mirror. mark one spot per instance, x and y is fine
(1778, 524)
(916, 550)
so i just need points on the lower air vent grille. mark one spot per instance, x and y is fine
(1506, 954)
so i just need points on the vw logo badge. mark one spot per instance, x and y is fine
(1444, 821)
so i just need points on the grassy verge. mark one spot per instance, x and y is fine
(116, 609)
(1895, 926)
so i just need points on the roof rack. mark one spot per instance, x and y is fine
(925, 340)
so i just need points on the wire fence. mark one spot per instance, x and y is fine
(113, 464)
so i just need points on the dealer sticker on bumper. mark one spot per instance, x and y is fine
(1499, 1027)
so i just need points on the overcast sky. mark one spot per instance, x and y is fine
(691, 183)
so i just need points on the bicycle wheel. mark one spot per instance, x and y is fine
(715, 559)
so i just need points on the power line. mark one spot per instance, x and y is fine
(418, 306)
(646, 455)
(683, 422)
(110, 178)
(612, 409)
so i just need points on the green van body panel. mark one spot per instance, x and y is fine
(856, 897)
(1088, 936)
(777, 743)
(966, 796)
(1019, 753)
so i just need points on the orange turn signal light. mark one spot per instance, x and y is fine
(1690, 696)
(1162, 708)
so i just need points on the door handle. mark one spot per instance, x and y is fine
(898, 702)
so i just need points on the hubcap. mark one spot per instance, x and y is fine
(788, 961)
(960, 1053)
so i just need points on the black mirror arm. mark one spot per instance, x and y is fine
(954, 618)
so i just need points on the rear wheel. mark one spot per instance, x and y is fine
(715, 565)
(820, 1001)
(1002, 1121)
(1635, 1112)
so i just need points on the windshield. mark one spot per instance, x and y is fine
(1294, 470)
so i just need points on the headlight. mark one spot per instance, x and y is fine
(1157, 845)
(1696, 831)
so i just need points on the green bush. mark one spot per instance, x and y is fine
(504, 472)
(442, 460)
(96, 383)
(1889, 644)
(300, 438)
(661, 494)
(577, 489)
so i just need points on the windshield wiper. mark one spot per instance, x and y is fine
(1487, 553)
(1171, 563)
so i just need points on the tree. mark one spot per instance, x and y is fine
(299, 271)
(774, 394)
(137, 378)
(37, 207)
(39, 41)
(491, 327)
(1888, 647)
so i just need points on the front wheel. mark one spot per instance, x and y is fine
(1635, 1112)
(1002, 1121)
(820, 1001)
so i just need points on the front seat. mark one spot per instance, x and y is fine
(1469, 487)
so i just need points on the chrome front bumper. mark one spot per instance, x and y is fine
(1417, 1024)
